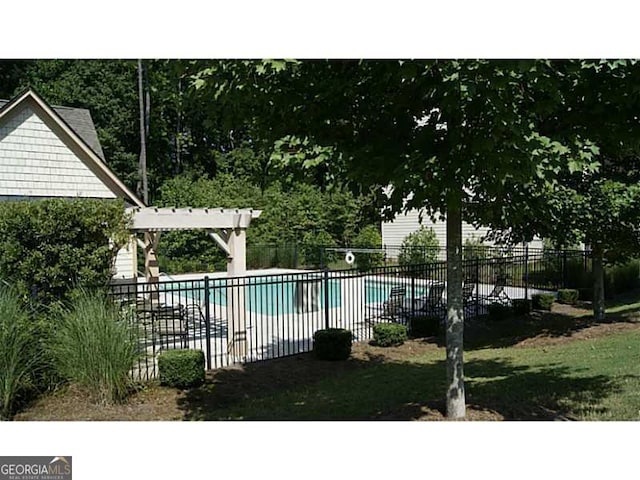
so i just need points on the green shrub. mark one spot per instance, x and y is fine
(332, 344)
(421, 246)
(622, 277)
(585, 294)
(542, 301)
(181, 368)
(498, 311)
(313, 251)
(424, 326)
(95, 347)
(521, 306)
(19, 352)
(47, 247)
(389, 334)
(568, 296)
(369, 237)
(474, 248)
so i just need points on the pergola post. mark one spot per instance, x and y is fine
(228, 228)
(151, 267)
(236, 311)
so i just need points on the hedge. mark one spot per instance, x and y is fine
(49, 247)
(542, 301)
(389, 334)
(332, 344)
(181, 368)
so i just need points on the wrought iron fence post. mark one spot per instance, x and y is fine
(326, 298)
(413, 293)
(207, 321)
(477, 286)
(526, 271)
(564, 268)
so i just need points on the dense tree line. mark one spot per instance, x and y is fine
(197, 153)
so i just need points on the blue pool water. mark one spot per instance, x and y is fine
(265, 295)
(278, 295)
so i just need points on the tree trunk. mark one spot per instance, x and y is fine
(598, 283)
(143, 190)
(455, 311)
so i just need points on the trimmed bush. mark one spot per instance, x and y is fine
(19, 352)
(521, 306)
(542, 301)
(498, 311)
(48, 247)
(95, 346)
(568, 296)
(181, 368)
(585, 294)
(424, 326)
(332, 344)
(389, 334)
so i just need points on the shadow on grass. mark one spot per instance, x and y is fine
(302, 388)
(504, 333)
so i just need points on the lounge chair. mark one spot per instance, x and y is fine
(467, 293)
(498, 294)
(432, 303)
(170, 326)
(394, 308)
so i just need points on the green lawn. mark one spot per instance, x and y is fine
(587, 379)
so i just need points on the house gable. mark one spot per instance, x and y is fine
(35, 162)
(42, 156)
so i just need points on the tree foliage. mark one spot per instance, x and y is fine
(300, 214)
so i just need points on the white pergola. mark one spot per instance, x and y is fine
(227, 227)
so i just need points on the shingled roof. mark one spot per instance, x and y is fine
(79, 119)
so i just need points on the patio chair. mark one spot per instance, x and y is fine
(432, 303)
(498, 294)
(467, 293)
(394, 309)
(170, 326)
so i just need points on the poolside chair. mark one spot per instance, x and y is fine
(432, 303)
(170, 326)
(394, 309)
(467, 293)
(498, 294)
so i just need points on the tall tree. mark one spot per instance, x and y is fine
(441, 133)
(143, 102)
(600, 101)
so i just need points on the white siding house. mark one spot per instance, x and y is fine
(395, 231)
(50, 152)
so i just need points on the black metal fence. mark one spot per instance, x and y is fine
(260, 317)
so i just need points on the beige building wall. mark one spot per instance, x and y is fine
(34, 162)
(395, 231)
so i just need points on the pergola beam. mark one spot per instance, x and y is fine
(167, 219)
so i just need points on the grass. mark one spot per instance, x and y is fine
(95, 348)
(545, 366)
(596, 379)
(19, 354)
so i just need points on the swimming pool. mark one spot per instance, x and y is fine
(290, 294)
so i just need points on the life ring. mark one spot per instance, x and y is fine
(349, 258)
